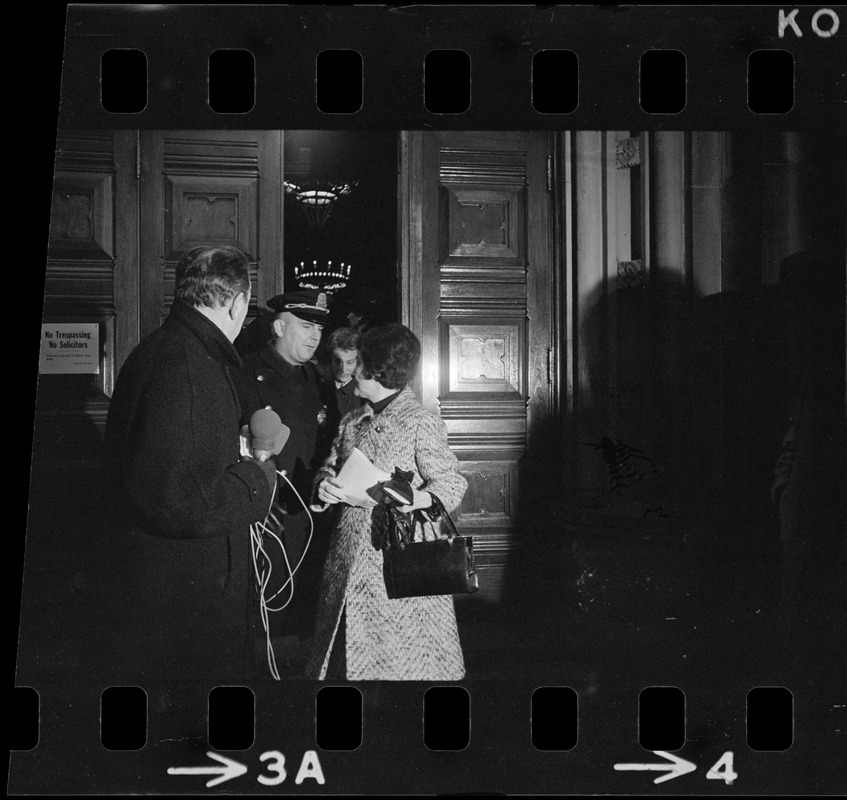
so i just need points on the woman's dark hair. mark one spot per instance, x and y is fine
(209, 276)
(389, 355)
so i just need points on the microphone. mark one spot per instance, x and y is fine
(268, 434)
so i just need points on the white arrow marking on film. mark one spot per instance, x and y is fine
(679, 766)
(230, 769)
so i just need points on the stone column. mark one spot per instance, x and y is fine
(726, 212)
(669, 223)
(787, 192)
(590, 253)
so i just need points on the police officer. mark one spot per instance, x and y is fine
(284, 376)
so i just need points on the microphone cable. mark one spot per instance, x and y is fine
(273, 527)
(262, 571)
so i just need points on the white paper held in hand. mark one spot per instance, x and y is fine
(357, 476)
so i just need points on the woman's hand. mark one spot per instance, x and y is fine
(420, 499)
(330, 491)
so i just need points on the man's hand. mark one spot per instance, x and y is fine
(268, 467)
(244, 441)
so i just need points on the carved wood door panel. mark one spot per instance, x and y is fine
(477, 242)
(91, 260)
(208, 187)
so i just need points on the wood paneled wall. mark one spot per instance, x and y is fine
(91, 275)
(125, 206)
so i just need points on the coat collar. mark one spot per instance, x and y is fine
(396, 410)
(210, 335)
(380, 405)
(275, 361)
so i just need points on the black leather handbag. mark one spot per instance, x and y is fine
(420, 569)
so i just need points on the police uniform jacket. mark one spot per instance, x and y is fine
(299, 394)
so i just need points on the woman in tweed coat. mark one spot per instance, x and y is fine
(361, 634)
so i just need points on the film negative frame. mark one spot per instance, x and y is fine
(393, 41)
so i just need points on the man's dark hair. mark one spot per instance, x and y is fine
(389, 355)
(210, 276)
(343, 339)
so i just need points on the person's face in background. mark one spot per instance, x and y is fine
(344, 364)
(296, 339)
(354, 319)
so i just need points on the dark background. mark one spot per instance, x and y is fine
(360, 229)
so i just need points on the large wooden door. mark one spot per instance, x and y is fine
(91, 278)
(125, 206)
(208, 187)
(478, 289)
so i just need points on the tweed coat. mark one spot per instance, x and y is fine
(182, 505)
(413, 638)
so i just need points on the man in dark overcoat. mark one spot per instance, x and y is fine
(284, 376)
(183, 496)
(343, 347)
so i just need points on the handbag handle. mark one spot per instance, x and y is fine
(437, 511)
(401, 527)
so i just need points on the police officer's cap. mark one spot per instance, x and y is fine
(308, 304)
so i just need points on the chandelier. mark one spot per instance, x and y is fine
(317, 198)
(323, 276)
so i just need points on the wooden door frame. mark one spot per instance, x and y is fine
(416, 152)
(270, 276)
(126, 272)
(151, 231)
